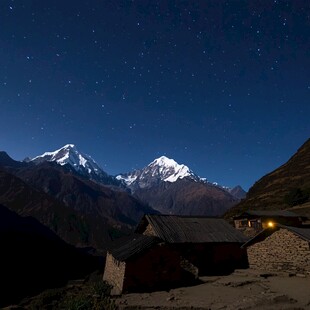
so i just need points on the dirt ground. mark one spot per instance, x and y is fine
(244, 289)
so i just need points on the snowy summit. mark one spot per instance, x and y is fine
(169, 170)
(161, 169)
(80, 162)
(69, 154)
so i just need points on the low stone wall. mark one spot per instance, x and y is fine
(114, 273)
(281, 251)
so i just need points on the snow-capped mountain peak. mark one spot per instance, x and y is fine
(80, 162)
(161, 169)
(168, 170)
(163, 161)
(69, 154)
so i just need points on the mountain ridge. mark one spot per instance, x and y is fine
(82, 163)
(161, 169)
(279, 188)
(80, 211)
(187, 197)
(163, 185)
(175, 189)
(164, 169)
(148, 184)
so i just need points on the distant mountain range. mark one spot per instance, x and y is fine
(175, 189)
(67, 191)
(163, 184)
(164, 169)
(283, 188)
(66, 194)
(80, 211)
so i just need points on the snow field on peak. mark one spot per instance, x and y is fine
(128, 180)
(162, 168)
(170, 170)
(69, 154)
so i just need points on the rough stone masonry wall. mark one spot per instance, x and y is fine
(149, 231)
(281, 251)
(114, 273)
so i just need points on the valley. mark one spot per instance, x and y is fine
(74, 200)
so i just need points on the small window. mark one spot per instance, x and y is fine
(242, 223)
(255, 224)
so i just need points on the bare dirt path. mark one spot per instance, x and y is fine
(244, 289)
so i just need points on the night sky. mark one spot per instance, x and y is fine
(221, 86)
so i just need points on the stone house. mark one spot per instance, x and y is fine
(280, 248)
(206, 245)
(143, 263)
(251, 222)
(169, 251)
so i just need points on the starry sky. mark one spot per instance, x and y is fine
(221, 86)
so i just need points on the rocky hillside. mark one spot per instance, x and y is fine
(72, 226)
(173, 188)
(90, 198)
(283, 188)
(80, 211)
(186, 197)
(34, 258)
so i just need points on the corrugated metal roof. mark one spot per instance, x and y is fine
(267, 213)
(132, 245)
(181, 229)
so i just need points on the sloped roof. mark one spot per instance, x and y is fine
(132, 245)
(267, 213)
(181, 229)
(302, 232)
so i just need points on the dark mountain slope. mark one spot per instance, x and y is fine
(238, 192)
(33, 258)
(87, 197)
(187, 197)
(80, 211)
(175, 189)
(7, 161)
(73, 227)
(282, 188)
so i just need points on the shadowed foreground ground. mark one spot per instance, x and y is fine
(244, 289)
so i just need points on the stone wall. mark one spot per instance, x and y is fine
(149, 231)
(114, 273)
(281, 251)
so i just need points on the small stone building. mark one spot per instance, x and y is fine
(169, 251)
(206, 245)
(143, 263)
(251, 222)
(280, 248)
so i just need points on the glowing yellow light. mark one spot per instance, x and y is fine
(270, 224)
